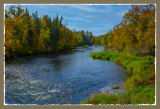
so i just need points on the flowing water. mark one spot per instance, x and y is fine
(43, 79)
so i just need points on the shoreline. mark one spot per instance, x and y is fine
(36, 54)
(139, 83)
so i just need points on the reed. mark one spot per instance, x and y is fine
(65, 95)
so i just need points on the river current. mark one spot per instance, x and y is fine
(42, 79)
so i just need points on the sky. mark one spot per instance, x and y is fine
(98, 19)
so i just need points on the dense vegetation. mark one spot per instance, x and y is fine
(133, 47)
(135, 33)
(26, 34)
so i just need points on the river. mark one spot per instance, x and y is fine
(42, 79)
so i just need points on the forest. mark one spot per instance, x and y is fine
(26, 34)
(135, 33)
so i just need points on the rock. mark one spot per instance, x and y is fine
(115, 87)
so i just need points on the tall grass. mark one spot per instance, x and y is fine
(140, 84)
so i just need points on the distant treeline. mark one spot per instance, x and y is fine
(26, 34)
(135, 33)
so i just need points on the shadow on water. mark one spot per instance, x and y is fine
(57, 64)
(43, 79)
(10, 76)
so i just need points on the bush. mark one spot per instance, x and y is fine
(85, 46)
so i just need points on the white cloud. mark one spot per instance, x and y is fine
(83, 7)
(121, 13)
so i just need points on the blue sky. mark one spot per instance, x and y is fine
(98, 19)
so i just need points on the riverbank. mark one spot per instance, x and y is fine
(84, 46)
(39, 53)
(139, 85)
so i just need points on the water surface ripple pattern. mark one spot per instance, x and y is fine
(43, 79)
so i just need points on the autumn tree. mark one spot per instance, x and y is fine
(136, 32)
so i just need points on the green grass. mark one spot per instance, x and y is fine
(85, 46)
(96, 45)
(139, 85)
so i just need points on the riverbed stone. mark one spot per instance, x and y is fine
(115, 87)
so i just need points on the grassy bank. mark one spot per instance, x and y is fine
(96, 45)
(84, 46)
(140, 83)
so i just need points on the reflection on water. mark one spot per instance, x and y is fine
(42, 79)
